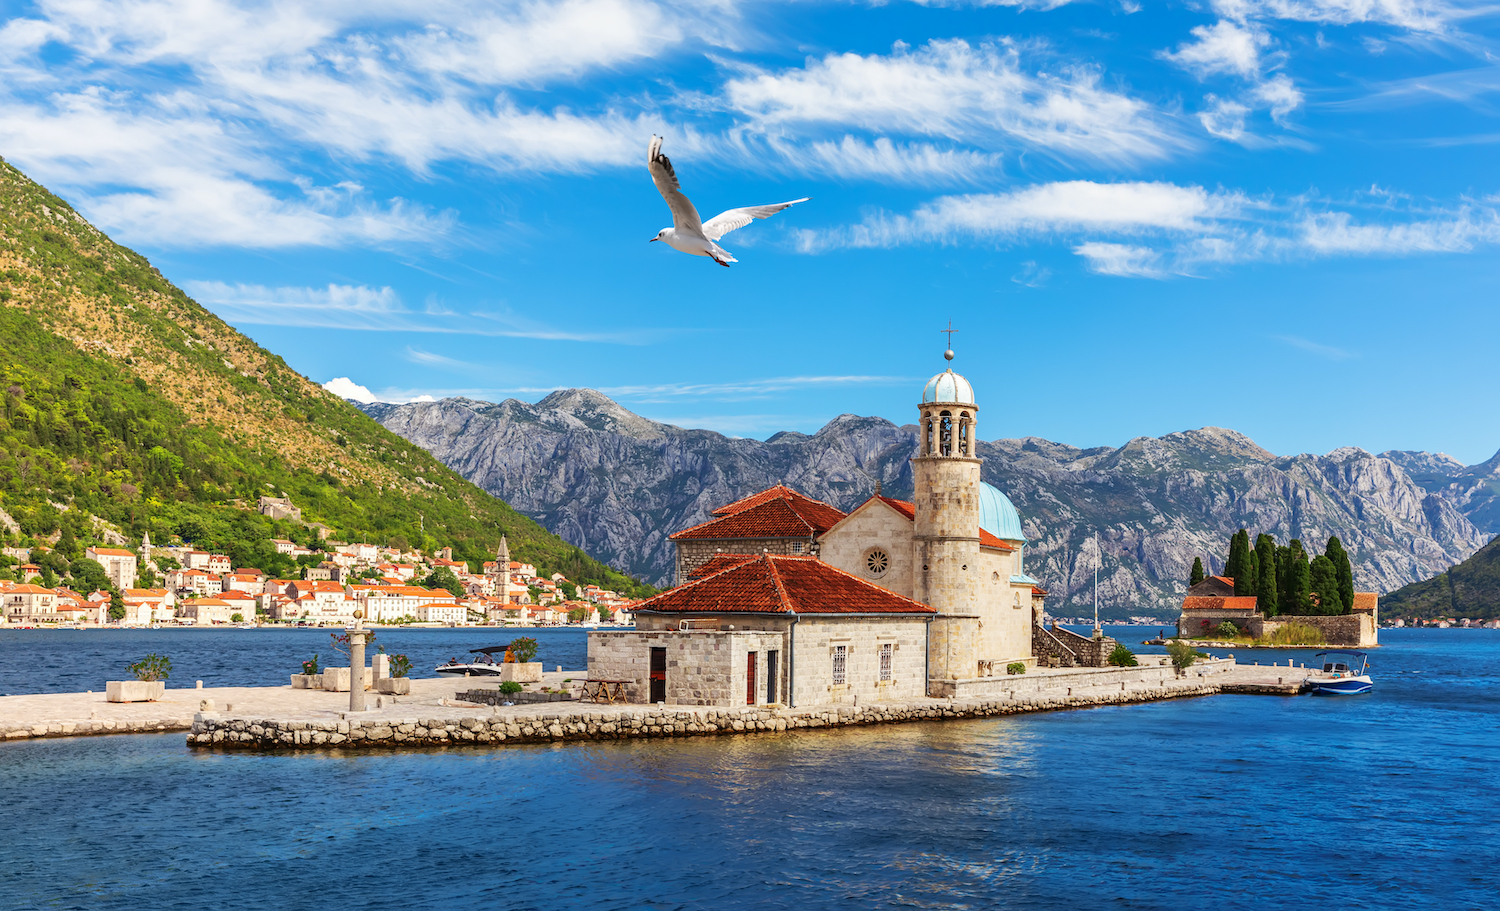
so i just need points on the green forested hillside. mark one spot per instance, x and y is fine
(1470, 589)
(126, 400)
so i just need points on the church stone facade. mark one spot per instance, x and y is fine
(950, 562)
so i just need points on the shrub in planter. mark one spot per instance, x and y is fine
(149, 685)
(310, 667)
(400, 666)
(510, 687)
(1016, 667)
(1183, 656)
(1122, 656)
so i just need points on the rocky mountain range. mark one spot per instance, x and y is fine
(618, 484)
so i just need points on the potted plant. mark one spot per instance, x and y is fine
(398, 683)
(149, 685)
(310, 678)
(518, 666)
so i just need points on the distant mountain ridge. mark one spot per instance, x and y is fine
(618, 484)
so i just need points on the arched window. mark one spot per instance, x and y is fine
(927, 443)
(945, 433)
(963, 433)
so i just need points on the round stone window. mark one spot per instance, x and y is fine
(877, 562)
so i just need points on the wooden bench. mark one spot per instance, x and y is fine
(607, 691)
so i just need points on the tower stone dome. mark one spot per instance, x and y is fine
(998, 516)
(948, 387)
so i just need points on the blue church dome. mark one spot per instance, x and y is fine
(997, 516)
(948, 387)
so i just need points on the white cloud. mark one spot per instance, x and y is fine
(1224, 118)
(1121, 259)
(361, 308)
(1279, 94)
(1069, 206)
(955, 90)
(1223, 47)
(345, 388)
(1175, 230)
(1428, 16)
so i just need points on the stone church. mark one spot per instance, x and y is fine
(781, 597)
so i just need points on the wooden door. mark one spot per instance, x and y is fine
(750, 678)
(658, 675)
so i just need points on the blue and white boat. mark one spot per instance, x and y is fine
(1343, 674)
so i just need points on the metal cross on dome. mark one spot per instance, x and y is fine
(950, 330)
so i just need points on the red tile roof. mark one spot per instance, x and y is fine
(910, 511)
(1198, 602)
(718, 563)
(778, 517)
(776, 584)
(1365, 601)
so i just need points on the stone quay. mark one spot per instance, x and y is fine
(437, 715)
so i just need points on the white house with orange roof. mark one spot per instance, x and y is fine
(119, 564)
(29, 604)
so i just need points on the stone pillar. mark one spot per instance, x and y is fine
(357, 665)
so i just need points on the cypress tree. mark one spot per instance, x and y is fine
(1266, 590)
(1252, 572)
(1341, 565)
(1283, 567)
(1197, 572)
(1238, 566)
(1324, 579)
(1296, 598)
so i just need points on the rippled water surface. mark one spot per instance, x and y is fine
(72, 661)
(1384, 801)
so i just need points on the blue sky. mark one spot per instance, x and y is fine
(1279, 216)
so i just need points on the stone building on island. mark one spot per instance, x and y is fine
(1212, 603)
(782, 597)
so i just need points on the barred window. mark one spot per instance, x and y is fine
(886, 650)
(840, 664)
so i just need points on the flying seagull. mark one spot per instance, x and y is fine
(688, 233)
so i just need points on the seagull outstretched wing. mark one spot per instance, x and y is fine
(684, 216)
(725, 222)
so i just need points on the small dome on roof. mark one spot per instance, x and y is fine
(948, 387)
(997, 516)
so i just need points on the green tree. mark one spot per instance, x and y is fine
(1267, 597)
(1237, 567)
(88, 576)
(1252, 572)
(49, 578)
(1197, 575)
(67, 542)
(1344, 569)
(443, 578)
(569, 590)
(1324, 578)
(1296, 598)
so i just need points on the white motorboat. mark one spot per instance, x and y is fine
(1343, 674)
(485, 665)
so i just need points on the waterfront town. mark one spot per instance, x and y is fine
(197, 588)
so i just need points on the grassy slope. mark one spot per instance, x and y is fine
(125, 398)
(1470, 589)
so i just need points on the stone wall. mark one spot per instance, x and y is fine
(1042, 686)
(817, 637)
(874, 525)
(643, 722)
(694, 552)
(704, 667)
(1200, 623)
(1344, 630)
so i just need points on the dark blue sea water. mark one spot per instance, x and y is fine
(1228, 802)
(72, 661)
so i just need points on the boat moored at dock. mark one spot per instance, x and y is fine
(1343, 674)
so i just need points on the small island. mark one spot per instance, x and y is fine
(1274, 596)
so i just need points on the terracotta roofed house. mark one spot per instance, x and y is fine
(778, 520)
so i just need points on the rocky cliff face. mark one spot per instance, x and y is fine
(617, 484)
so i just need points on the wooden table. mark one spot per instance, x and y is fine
(608, 691)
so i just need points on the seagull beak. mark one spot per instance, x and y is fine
(653, 240)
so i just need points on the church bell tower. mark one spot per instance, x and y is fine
(946, 496)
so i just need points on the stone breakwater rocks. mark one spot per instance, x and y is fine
(624, 723)
(24, 731)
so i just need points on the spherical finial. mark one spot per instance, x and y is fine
(948, 355)
(359, 615)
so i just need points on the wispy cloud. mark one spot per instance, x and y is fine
(1323, 351)
(1177, 230)
(362, 308)
(983, 94)
(743, 389)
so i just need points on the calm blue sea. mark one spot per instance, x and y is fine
(1383, 801)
